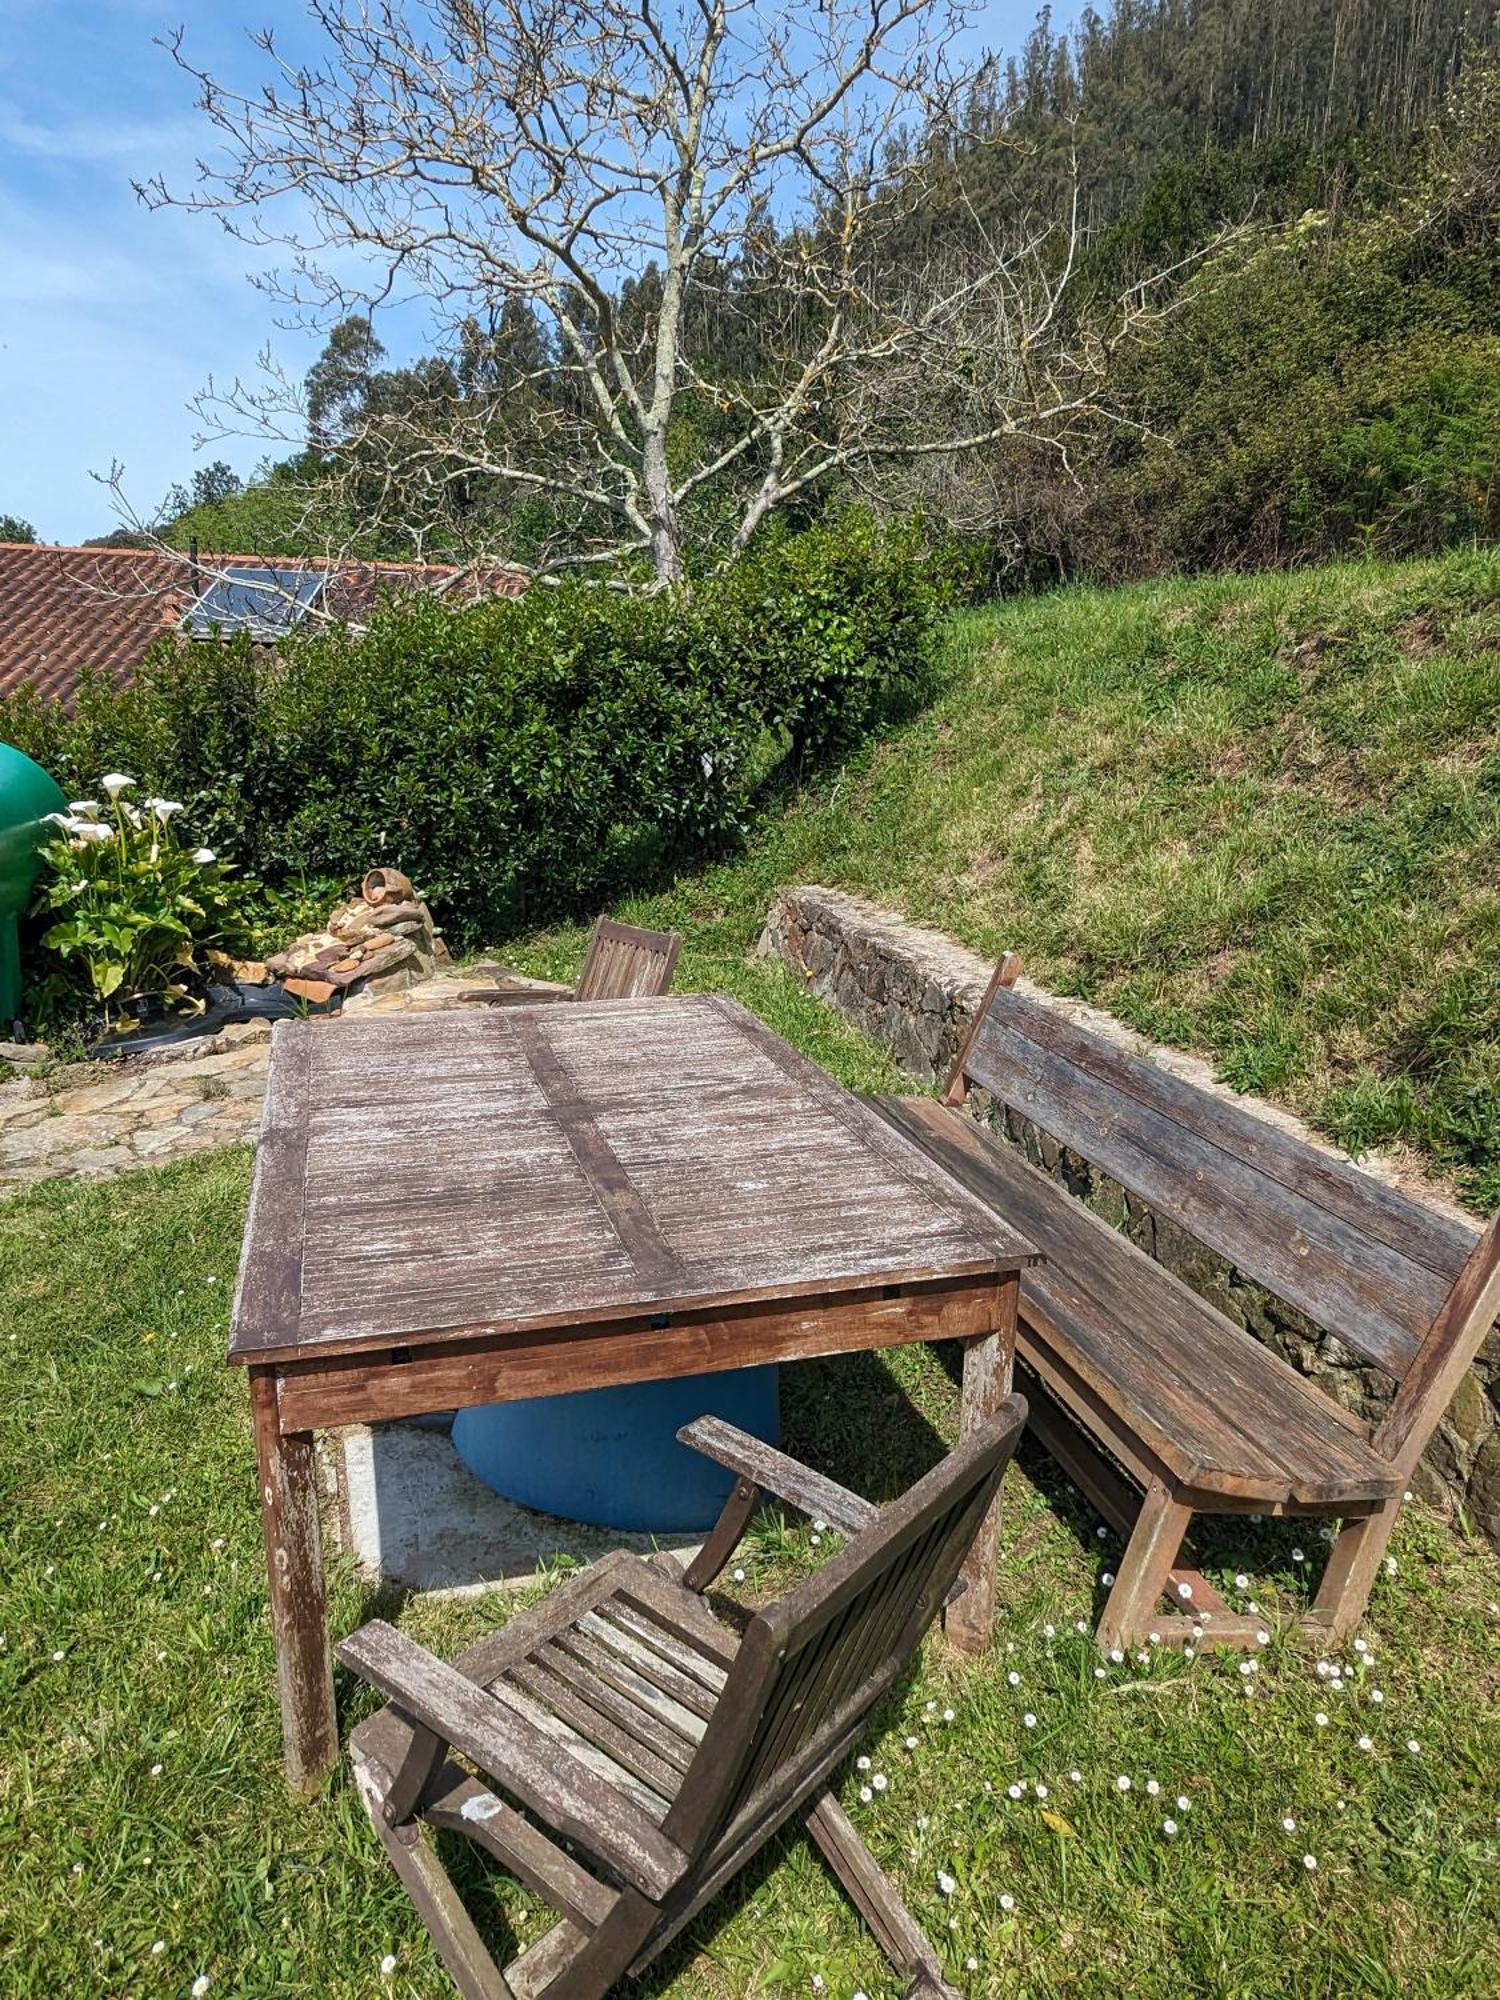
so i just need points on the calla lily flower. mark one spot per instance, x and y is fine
(58, 819)
(84, 808)
(116, 782)
(204, 855)
(87, 831)
(164, 808)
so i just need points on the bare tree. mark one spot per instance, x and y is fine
(702, 205)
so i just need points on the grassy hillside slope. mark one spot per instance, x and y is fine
(1255, 817)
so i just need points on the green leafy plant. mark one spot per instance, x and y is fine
(135, 909)
(529, 756)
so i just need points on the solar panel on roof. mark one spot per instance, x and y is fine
(266, 603)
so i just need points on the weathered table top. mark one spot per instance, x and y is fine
(426, 1176)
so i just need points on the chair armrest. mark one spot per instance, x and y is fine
(773, 1472)
(541, 1772)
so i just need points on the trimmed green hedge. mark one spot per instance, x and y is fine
(521, 755)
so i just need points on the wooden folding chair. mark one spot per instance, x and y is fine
(624, 1754)
(621, 963)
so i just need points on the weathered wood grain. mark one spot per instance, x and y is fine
(454, 1374)
(686, 1747)
(288, 1481)
(625, 963)
(543, 1167)
(1357, 1257)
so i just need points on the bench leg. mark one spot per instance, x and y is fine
(1353, 1564)
(1145, 1568)
(989, 1365)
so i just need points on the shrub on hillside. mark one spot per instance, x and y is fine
(524, 755)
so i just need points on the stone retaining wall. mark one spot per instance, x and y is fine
(914, 990)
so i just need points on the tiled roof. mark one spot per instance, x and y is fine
(62, 610)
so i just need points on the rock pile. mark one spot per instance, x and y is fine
(381, 939)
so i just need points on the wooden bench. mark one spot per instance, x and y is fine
(1130, 1372)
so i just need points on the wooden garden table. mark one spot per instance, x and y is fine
(461, 1208)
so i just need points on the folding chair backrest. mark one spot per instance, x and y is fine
(811, 1666)
(623, 963)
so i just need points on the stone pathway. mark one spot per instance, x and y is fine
(135, 1111)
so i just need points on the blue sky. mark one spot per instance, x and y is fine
(111, 317)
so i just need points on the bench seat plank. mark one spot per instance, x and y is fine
(1226, 1416)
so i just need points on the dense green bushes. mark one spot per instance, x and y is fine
(1329, 386)
(524, 755)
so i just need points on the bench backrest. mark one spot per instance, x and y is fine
(623, 963)
(811, 1666)
(1359, 1259)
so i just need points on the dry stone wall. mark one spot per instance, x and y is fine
(914, 990)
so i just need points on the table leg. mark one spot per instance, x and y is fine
(989, 1363)
(299, 1609)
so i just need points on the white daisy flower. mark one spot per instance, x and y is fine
(1152, 1788)
(1288, 1824)
(200, 1986)
(946, 1883)
(388, 1965)
(865, 1795)
(1107, 1578)
(1013, 1678)
(1015, 1791)
(1297, 1556)
(158, 1947)
(1007, 1901)
(1321, 1719)
(1075, 1777)
(1169, 1827)
(1049, 1631)
(1413, 1746)
(1242, 1582)
(880, 1781)
(1122, 1783)
(1028, 1720)
(1184, 1803)
(861, 1763)
(1366, 1743)
(1310, 1863)
(738, 1575)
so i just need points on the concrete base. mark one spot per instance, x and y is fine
(411, 1513)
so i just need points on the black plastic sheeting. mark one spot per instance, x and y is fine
(227, 1005)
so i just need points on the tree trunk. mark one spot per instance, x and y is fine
(661, 514)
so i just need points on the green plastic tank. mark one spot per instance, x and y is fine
(27, 795)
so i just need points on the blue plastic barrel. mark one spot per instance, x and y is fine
(611, 1456)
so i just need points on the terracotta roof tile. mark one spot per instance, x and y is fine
(62, 610)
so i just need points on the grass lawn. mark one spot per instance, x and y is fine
(1258, 817)
(148, 1839)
